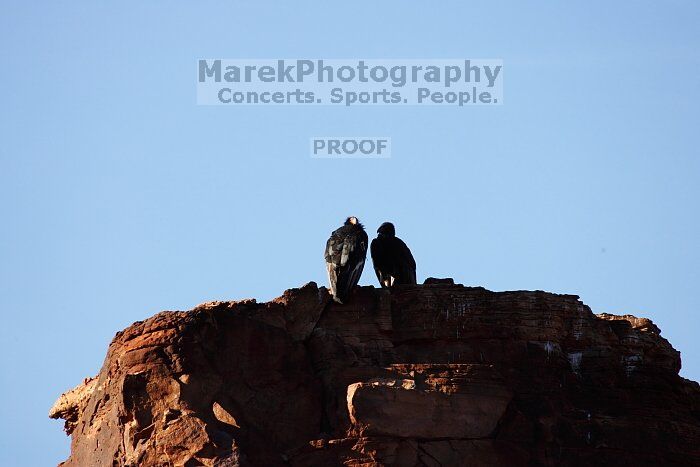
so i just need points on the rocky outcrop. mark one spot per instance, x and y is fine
(430, 401)
(428, 375)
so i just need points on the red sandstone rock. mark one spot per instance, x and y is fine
(438, 374)
(447, 401)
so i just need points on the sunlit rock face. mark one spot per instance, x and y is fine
(427, 375)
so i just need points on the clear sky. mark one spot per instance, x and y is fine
(121, 197)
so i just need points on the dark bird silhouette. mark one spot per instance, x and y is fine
(345, 255)
(393, 261)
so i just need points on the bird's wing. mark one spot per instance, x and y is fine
(332, 278)
(334, 248)
(405, 252)
(375, 248)
(332, 255)
(352, 262)
(406, 264)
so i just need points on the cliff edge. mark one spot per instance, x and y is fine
(430, 375)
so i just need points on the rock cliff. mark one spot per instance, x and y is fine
(431, 375)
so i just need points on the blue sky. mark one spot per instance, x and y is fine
(121, 197)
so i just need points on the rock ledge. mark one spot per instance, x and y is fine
(428, 375)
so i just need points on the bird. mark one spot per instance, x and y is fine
(346, 251)
(393, 261)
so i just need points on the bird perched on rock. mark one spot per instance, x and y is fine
(345, 255)
(393, 261)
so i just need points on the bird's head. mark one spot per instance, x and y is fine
(386, 230)
(352, 220)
